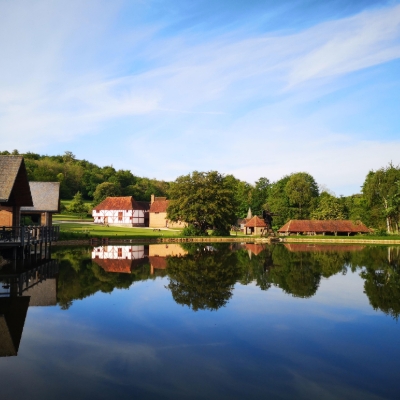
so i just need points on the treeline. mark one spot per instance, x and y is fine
(295, 196)
(91, 181)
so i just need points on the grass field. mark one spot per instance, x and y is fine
(73, 230)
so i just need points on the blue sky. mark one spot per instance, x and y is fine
(253, 88)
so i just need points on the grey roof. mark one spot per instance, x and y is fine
(9, 167)
(43, 293)
(45, 196)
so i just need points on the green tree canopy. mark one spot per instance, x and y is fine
(104, 190)
(301, 189)
(329, 207)
(202, 199)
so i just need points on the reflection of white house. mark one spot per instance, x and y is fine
(118, 252)
(122, 211)
(119, 258)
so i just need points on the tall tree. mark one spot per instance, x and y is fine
(202, 199)
(382, 189)
(301, 189)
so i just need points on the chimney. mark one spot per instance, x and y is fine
(152, 199)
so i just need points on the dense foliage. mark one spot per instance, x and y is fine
(212, 200)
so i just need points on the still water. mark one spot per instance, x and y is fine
(240, 321)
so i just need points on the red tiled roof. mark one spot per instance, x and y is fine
(122, 203)
(160, 204)
(256, 222)
(302, 247)
(158, 262)
(254, 248)
(295, 226)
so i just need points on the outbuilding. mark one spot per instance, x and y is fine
(325, 227)
(255, 226)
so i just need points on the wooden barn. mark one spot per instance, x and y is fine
(46, 202)
(125, 211)
(328, 227)
(14, 190)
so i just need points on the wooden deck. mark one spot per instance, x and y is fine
(21, 236)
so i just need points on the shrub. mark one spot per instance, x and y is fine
(192, 230)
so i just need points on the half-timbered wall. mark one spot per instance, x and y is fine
(120, 217)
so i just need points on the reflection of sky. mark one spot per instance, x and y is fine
(263, 344)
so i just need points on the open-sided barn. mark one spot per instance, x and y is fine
(328, 227)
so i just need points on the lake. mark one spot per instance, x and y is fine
(220, 321)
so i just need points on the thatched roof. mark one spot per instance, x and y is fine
(14, 186)
(45, 196)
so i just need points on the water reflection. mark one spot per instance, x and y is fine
(203, 277)
(23, 284)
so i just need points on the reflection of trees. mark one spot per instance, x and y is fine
(80, 277)
(382, 280)
(203, 279)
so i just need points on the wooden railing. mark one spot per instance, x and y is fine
(26, 235)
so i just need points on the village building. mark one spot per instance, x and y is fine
(326, 227)
(158, 214)
(46, 202)
(14, 190)
(125, 211)
(255, 226)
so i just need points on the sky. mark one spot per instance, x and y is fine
(246, 87)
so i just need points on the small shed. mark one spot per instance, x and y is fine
(14, 190)
(46, 202)
(326, 227)
(255, 226)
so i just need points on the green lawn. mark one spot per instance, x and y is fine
(73, 230)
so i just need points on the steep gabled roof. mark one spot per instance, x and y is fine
(256, 249)
(14, 186)
(160, 204)
(45, 196)
(122, 203)
(256, 222)
(158, 262)
(347, 226)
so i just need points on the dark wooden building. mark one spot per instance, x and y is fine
(14, 190)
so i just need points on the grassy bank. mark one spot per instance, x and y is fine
(83, 231)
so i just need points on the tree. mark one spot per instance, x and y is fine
(382, 189)
(259, 195)
(202, 199)
(301, 188)
(104, 190)
(329, 207)
(77, 205)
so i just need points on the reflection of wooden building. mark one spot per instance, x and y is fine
(158, 214)
(124, 211)
(120, 259)
(255, 226)
(158, 254)
(329, 227)
(13, 312)
(14, 190)
(46, 202)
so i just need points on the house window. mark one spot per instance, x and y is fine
(120, 216)
(119, 251)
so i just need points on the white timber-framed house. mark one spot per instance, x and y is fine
(124, 211)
